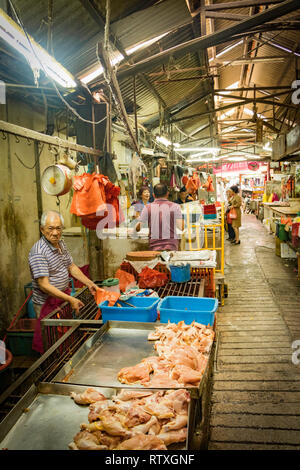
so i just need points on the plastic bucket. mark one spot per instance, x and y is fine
(180, 273)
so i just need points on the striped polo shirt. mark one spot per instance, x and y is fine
(47, 261)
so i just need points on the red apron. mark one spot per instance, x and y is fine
(49, 306)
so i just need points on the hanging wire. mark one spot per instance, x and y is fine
(50, 78)
(36, 160)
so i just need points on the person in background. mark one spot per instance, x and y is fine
(144, 197)
(183, 196)
(51, 267)
(163, 217)
(185, 177)
(231, 234)
(236, 202)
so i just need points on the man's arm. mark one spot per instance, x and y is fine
(180, 224)
(49, 289)
(78, 274)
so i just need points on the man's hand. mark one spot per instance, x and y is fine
(92, 287)
(76, 304)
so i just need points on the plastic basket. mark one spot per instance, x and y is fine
(176, 308)
(180, 273)
(145, 310)
(20, 337)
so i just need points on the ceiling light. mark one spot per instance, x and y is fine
(38, 58)
(163, 140)
(199, 149)
(118, 58)
(237, 159)
(267, 147)
(227, 49)
(286, 49)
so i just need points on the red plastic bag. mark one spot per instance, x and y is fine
(152, 278)
(125, 279)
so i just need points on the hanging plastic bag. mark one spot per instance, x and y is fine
(152, 278)
(126, 280)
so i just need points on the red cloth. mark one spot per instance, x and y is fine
(51, 304)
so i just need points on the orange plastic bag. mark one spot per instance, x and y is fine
(102, 295)
(125, 279)
(89, 194)
(152, 278)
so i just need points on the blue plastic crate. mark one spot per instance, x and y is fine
(145, 310)
(180, 273)
(176, 309)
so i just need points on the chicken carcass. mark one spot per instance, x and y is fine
(186, 375)
(136, 415)
(142, 442)
(179, 422)
(161, 380)
(96, 409)
(106, 440)
(89, 396)
(112, 423)
(173, 436)
(180, 399)
(85, 440)
(127, 395)
(144, 428)
(156, 406)
(133, 374)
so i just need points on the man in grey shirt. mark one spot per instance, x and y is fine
(51, 266)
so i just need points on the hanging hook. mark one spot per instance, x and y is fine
(17, 139)
(28, 141)
(4, 136)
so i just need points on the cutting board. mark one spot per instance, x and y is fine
(142, 255)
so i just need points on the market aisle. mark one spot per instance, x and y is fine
(255, 401)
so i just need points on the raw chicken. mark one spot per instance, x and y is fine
(156, 406)
(133, 374)
(85, 440)
(186, 375)
(179, 422)
(112, 423)
(161, 380)
(96, 409)
(110, 441)
(173, 436)
(87, 397)
(142, 442)
(144, 428)
(180, 399)
(126, 395)
(136, 415)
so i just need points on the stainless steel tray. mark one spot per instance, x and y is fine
(114, 346)
(47, 419)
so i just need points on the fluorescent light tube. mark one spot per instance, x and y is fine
(39, 59)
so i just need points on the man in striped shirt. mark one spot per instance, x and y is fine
(51, 266)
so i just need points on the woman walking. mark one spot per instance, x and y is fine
(235, 203)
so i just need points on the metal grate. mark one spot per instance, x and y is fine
(53, 331)
(187, 289)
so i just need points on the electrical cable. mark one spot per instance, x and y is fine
(36, 160)
(50, 78)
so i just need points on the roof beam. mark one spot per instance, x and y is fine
(97, 17)
(210, 40)
(238, 4)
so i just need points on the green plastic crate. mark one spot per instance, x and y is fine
(20, 336)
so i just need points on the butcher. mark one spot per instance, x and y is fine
(163, 219)
(51, 266)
